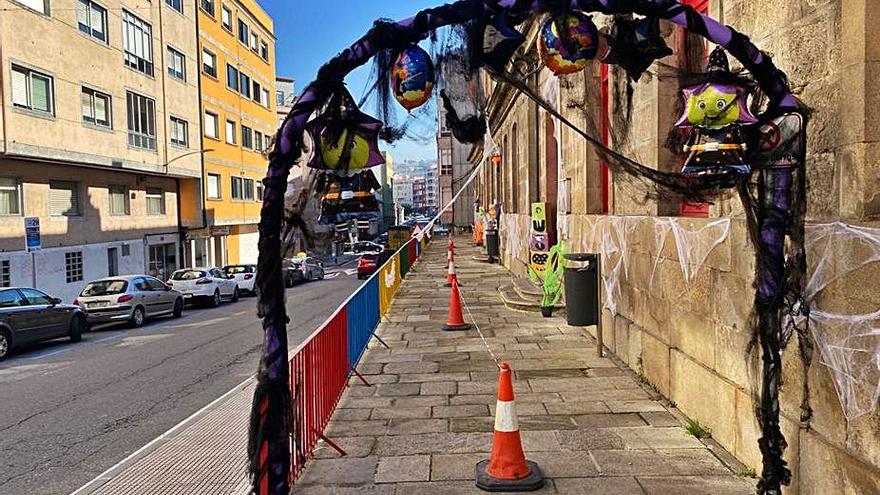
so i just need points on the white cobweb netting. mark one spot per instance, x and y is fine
(515, 228)
(842, 293)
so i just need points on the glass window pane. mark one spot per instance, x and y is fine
(41, 92)
(86, 105)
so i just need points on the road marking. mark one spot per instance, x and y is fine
(239, 313)
(331, 276)
(200, 323)
(101, 477)
(49, 354)
(351, 271)
(112, 337)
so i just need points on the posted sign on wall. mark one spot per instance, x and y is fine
(539, 244)
(32, 234)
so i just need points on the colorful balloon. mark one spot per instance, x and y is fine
(412, 77)
(345, 139)
(567, 42)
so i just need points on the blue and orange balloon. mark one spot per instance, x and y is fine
(567, 42)
(412, 77)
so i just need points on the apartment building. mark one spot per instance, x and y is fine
(100, 129)
(236, 47)
(454, 168)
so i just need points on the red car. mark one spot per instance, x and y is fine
(368, 263)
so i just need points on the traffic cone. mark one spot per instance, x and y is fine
(455, 320)
(451, 277)
(507, 470)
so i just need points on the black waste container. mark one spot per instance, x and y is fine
(492, 243)
(582, 289)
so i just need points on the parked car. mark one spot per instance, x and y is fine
(28, 316)
(245, 275)
(131, 298)
(303, 269)
(362, 247)
(368, 263)
(208, 284)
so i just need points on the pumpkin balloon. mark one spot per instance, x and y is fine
(412, 77)
(567, 42)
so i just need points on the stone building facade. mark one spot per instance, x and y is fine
(684, 325)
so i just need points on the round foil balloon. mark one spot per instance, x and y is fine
(359, 153)
(412, 77)
(567, 42)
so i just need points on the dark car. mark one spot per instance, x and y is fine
(28, 316)
(303, 269)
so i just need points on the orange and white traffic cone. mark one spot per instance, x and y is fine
(507, 470)
(451, 277)
(455, 320)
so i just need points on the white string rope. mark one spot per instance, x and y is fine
(476, 326)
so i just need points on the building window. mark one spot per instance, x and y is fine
(119, 204)
(268, 142)
(231, 77)
(92, 19)
(209, 62)
(96, 107)
(258, 140)
(279, 97)
(237, 193)
(257, 90)
(10, 196)
(137, 36)
(264, 51)
(226, 18)
(4, 274)
(243, 32)
(179, 132)
(73, 266)
(214, 186)
(245, 85)
(445, 161)
(155, 201)
(247, 137)
(63, 199)
(212, 126)
(32, 90)
(141, 121)
(41, 6)
(255, 42)
(264, 98)
(126, 250)
(207, 6)
(176, 64)
(175, 4)
(230, 132)
(259, 191)
(249, 189)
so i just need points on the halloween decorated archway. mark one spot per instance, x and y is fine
(732, 142)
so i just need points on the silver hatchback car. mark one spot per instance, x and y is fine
(131, 298)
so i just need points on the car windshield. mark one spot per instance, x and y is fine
(369, 257)
(104, 288)
(188, 275)
(232, 270)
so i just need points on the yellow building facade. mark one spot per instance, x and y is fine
(237, 76)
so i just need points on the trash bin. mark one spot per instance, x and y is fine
(492, 244)
(582, 289)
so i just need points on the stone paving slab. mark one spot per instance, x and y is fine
(428, 417)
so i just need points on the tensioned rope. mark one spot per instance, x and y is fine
(477, 327)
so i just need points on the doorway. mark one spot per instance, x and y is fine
(551, 158)
(162, 260)
(112, 262)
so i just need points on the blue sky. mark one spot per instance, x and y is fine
(311, 32)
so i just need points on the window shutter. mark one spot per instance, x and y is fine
(63, 199)
(86, 103)
(102, 116)
(38, 5)
(19, 87)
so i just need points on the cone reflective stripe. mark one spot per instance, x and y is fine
(507, 469)
(451, 277)
(455, 320)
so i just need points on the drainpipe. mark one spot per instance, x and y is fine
(3, 99)
(164, 94)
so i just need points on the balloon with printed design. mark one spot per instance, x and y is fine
(567, 42)
(412, 77)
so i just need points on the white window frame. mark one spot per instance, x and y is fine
(16, 189)
(94, 95)
(86, 13)
(231, 137)
(137, 43)
(226, 10)
(143, 136)
(219, 182)
(28, 89)
(175, 56)
(216, 129)
(209, 55)
(180, 127)
(154, 193)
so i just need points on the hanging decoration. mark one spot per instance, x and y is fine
(412, 77)
(345, 139)
(348, 198)
(715, 111)
(635, 44)
(567, 42)
(500, 42)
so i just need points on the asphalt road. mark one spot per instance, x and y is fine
(70, 411)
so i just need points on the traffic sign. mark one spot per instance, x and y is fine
(32, 234)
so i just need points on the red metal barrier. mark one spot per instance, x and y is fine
(318, 375)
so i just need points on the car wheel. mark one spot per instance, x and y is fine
(5, 344)
(321, 276)
(178, 308)
(137, 317)
(288, 282)
(215, 299)
(77, 327)
(235, 294)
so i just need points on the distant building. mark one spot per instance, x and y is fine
(285, 96)
(419, 193)
(452, 158)
(432, 187)
(403, 190)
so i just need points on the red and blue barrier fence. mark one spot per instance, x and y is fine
(322, 365)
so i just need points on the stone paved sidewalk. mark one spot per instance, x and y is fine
(428, 416)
